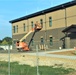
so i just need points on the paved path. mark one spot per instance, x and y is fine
(46, 53)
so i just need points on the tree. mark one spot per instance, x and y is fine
(8, 40)
(4, 42)
(0, 41)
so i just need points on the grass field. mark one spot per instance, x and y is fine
(16, 69)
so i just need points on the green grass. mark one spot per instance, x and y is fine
(16, 69)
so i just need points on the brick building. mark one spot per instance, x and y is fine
(59, 27)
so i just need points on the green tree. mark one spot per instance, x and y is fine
(0, 41)
(8, 40)
(4, 42)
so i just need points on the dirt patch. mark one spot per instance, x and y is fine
(69, 53)
(25, 58)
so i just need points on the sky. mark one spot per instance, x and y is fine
(13, 9)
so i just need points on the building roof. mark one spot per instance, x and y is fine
(62, 6)
(71, 29)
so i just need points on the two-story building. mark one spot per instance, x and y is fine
(58, 27)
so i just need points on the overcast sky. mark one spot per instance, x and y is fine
(13, 9)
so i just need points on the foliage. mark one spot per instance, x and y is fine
(6, 40)
(16, 69)
(0, 41)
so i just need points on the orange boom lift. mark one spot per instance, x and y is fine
(23, 46)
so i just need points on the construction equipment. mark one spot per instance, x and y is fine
(23, 46)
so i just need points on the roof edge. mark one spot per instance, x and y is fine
(58, 7)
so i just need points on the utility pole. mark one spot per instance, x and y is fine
(37, 57)
(8, 59)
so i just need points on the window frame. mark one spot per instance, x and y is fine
(50, 21)
(51, 41)
(17, 28)
(41, 22)
(32, 24)
(42, 40)
(13, 29)
(32, 42)
(24, 27)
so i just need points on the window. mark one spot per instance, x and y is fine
(51, 41)
(24, 27)
(50, 21)
(41, 22)
(32, 25)
(32, 43)
(24, 40)
(14, 41)
(17, 28)
(42, 40)
(13, 29)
